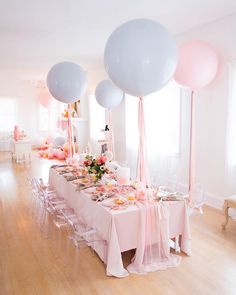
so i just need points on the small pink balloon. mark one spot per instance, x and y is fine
(61, 155)
(50, 155)
(55, 151)
(197, 65)
(40, 153)
(45, 99)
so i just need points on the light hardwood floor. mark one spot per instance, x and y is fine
(31, 264)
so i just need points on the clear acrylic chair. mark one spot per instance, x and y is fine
(45, 202)
(80, 236)
(35, 201)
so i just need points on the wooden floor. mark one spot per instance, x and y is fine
(31, 264)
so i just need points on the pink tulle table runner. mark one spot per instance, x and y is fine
(130, 228)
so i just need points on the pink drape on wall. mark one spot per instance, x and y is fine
(192, 149)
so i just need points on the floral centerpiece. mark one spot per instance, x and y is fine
(96, 165)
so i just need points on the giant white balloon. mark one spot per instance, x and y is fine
(108, 95)
(140, 57)
(66, 82)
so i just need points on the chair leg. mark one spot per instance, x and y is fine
(177, 244)
(201, 210)
(226, 217)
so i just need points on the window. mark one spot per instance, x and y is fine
(162, 123)
(162, 120)
(43, 119)
(8, 114)
(48, 117)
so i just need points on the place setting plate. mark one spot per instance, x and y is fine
(117, 203)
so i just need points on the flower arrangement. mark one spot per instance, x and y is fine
(66, 114)
(96, 166)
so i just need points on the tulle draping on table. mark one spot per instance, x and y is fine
(153, 249)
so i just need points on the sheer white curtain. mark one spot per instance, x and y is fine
(231, 128)
(162, 122)
(231, 134)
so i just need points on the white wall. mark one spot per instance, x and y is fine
(118, 121)
(211, 111)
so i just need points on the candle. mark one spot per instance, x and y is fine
(123, 175)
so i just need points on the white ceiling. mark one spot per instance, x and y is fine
(36, 34)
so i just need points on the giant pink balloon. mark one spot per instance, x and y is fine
(197, 65)
(45, 99)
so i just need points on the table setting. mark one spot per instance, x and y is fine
(124, 214)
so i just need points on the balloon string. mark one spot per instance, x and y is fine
(72, 137)
(70, 134)
(191, 148)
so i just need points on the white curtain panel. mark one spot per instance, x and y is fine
(231, 133)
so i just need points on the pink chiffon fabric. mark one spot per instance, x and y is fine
(142, 165)
(153, 249)
(71, 149)
(132, 228)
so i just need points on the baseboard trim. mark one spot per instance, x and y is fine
(213, 200)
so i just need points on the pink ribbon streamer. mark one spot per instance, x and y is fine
(191, 149)
(71, 149)
(153, 251)
(142, 167)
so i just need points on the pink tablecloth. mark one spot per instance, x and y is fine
(121, 228)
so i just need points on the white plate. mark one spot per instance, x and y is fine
(91, 191)
(111, 202)
(68, 174)
(164, 194)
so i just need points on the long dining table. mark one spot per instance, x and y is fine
(118, 230)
